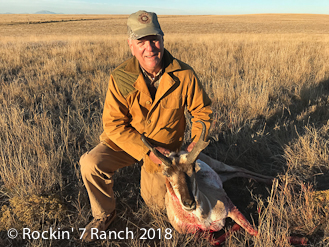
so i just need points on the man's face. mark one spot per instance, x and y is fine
(149, 51)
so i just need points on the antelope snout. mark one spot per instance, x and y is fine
(189, 204)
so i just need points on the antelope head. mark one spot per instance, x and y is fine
(179, 168)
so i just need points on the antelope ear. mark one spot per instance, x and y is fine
(197, 167)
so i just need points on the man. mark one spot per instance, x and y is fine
(147, 94)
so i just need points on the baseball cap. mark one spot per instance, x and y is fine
(143, 23)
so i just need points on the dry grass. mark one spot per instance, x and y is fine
(113, 25)
(268, 78)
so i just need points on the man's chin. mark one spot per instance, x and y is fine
(152, 66)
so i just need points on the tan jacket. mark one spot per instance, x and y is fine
(130, 111)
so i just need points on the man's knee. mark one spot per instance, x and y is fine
(102, 161)
(87, 164)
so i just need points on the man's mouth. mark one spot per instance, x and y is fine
(155, 55)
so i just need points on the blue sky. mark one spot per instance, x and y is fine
(218, 7)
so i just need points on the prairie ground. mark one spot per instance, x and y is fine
(267, 76)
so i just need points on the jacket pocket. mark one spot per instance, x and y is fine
(172, 102)
(172, 109)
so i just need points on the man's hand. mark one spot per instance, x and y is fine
(155, 159)
(190, 147)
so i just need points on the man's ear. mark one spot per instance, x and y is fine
(130, 43)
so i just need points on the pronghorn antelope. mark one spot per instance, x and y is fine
(195, 198)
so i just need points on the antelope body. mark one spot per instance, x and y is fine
(195, 198)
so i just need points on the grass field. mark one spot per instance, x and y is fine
(268, 78)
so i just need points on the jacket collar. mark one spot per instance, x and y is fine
(170, 63)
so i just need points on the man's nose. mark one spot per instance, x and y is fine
(149, 45)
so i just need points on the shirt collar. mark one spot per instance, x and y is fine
(157, 76)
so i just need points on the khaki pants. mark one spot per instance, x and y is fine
(97, 169)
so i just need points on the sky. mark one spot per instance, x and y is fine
(183, 7)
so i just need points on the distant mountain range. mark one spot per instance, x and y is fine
(45, 12)
(39, 12)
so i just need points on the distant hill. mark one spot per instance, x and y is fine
(45, 12)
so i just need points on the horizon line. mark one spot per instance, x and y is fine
(276, 13)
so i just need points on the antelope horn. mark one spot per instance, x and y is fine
(199, 146)
(158, 154)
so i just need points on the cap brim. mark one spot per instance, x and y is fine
(146, 32)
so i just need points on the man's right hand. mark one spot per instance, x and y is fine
(155, 159)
